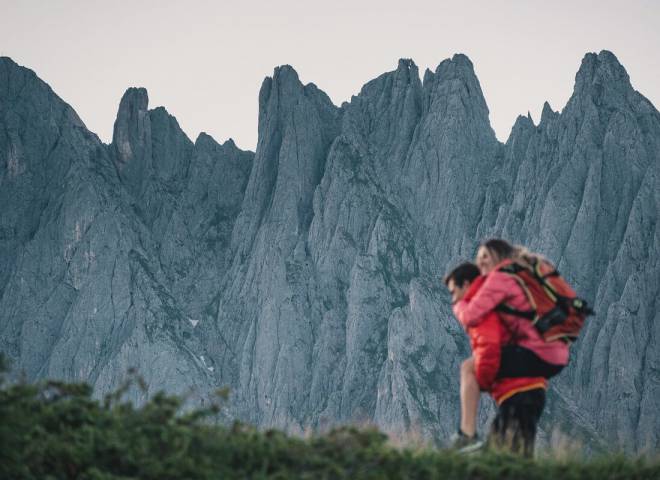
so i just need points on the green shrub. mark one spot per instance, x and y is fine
(56, 430)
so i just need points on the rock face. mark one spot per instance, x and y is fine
(85, 293)
(306, 276)
(586, 193)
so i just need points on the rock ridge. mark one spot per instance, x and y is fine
(306, 275)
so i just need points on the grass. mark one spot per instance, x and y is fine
(54, 430)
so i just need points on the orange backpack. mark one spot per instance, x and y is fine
(557, 312)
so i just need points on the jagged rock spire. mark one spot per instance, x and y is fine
(296, 125)
(131, 139)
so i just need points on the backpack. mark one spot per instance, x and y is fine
(557, 312)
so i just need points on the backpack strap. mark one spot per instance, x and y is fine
(504, 308)
(511, 268)
(514, 269)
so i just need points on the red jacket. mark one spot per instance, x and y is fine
(499, 287)
(487, 338)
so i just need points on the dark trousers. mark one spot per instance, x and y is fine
(517, 361)
(514, 427)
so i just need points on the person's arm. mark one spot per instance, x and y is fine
(496, 289)
(486, 339)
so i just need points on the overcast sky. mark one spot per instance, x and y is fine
(205, 60)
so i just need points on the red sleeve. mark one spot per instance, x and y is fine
(486, 349)
(471, 292)
(496, 289)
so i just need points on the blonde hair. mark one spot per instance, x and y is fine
(501, 249)
(526, 257)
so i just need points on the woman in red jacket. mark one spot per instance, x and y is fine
(501, 288)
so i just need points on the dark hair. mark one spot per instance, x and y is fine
(465, 272)
(500, 248)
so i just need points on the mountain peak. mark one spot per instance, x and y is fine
(131, 137)
(285, 80)
(458, 69)
(130, 119)
(522, 124)
(462, 59)
(19, 81)
(406, 64)
(606, 61)
(286, 74)
(204, 138)
(607, 57)
(134, 97)
(602, 69)
(405, 73)
(455, 77)
(7, 62)
(547, 113)
(460, 64)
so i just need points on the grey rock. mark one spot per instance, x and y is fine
(84, 295)
(306, 275)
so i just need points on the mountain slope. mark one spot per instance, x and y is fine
(306, 275)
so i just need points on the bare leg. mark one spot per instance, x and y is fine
(469, 397)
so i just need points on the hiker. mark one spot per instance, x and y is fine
(520, 400)
(537, 338)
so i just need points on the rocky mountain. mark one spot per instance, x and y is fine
(306, 275)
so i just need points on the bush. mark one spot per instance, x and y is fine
(56, 430)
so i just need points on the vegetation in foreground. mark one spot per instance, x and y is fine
(54, 430)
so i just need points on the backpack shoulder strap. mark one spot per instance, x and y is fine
(504, 308)
(516, 270)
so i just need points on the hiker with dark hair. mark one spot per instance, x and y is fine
(473, 378)
(489, 254)
(520, 399)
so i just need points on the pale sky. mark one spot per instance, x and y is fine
(205, 60)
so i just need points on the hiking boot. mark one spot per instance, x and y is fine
(465, 444)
